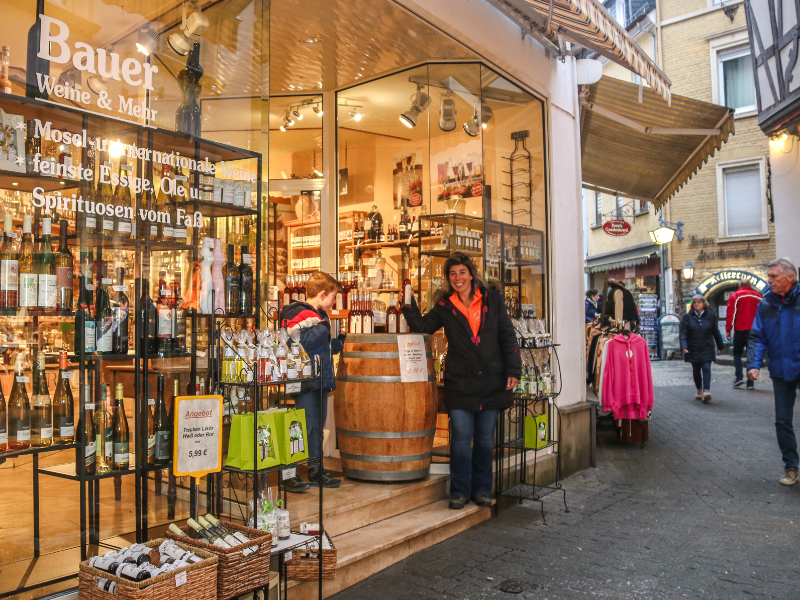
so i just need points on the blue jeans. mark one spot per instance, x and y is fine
(471, 451)
(739, 345)
(316, 413)
(702, 375)
(785, 395)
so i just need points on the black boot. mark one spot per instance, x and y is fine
(327, 480)
(295, 485)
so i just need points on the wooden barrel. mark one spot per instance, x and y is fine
(385, 428)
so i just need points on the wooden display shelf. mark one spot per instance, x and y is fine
(394, 244)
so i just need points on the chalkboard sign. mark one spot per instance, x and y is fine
(669, 335)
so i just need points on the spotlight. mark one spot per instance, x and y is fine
(70, 78)
(355, 114)
(287, 121)
(447, 112)
(472, 127)
(283, 127)
(115, 149)
(97, 84)
(147, 41)
(318, 110)
(297, 114)
(421, 102)
(192, 27)
(486, 114)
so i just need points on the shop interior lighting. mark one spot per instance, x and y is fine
(688, 271)
(147, 41)
(297, 114)
(486, 114)
(472, 127)
(421, 102)
(310, 41)
(662, 235)
(192, 27)
(355, 114)
(70, 78)
(447, 112)
(318, 109)
(115, 149)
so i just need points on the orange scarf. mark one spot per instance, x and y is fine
(473, 313)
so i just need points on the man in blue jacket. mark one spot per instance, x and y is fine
(777, 329)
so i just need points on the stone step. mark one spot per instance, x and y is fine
(372, 548)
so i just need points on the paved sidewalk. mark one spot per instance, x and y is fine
(698, 513)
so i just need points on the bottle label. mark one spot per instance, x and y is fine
(9, 275)
(168, 232)
(291, 373)
(28, 289)
(3, 438)
(154, 230)
(232, 283)
(366, 326)
(23, 431)
(121, 452)
(66, 374)
(120, 288)
(179, 233)
(246, 259)
(64, 277)
(128, 570)
(407, 294)
(163, 448)
(47, 291)
(91, 222)
(90, 451)
(151, 445)
(103, 334)
(23, 379)
(403, 325)
(391, 321)
(164, 323)
(89, 336)
(307, 371)
(67, 431)
(46, 433)
(124, 227)
(119, 317)
(108, 224)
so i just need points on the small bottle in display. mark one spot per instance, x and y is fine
(9, 267)
(124, 223)
(391, 314)
(367, 316)
(64, 262)
(103, 433)
(178, 316)
(89, 439)
(211, 538)
(19, 409)
(119, 426)
(63, 404)
(355, 314)
(407, 289)
(165, 326)
(46, 269)
(42, 416)
(64, 161)
(402, 324)
(151, 429)
(28, 278)
(226, 537)
(163, 204)
(161, 425)
(221, 530)
(104, 316)
(120, 311)
(105, 195)
(231, 273)
(245, 283)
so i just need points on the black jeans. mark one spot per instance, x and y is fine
(702, 375)
(739, 345)
(785, 395)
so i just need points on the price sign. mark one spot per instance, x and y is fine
(413, 363)
(198, 435)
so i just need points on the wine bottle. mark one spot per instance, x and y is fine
(392, 314)
(221, 529)
(19, 409)
(407, 289)
(211, 538)
(165, 325)
(132, 572)
(3, 416)
(119, 426)
(402, 324)
(123, 224)
(9, 267)
(104, 316)
(28, 278)
(161, 426)
(176, 530)
(63, 404)
(164, 205)
(5, 82)
(354, 320)
(232, 283)
(107, 563)
(63, 260)
(46, 270)
(151, 431)
(179, 321)
(120, 311)
(226, 537)
(105, 195)
(42, 417)
(245, 283)
(179, 230)
(367, 316)
(103, 433)
(89, 439)
(295, 288)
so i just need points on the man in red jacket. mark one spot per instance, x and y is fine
(742, 308)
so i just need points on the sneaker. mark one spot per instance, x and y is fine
(295, 485)
(738, 383)
(327, 480)
(750, 386)
(699, 395)
(482, 500)
(706, 396)
(457, 502)
(789, 477)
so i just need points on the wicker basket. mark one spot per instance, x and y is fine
(201, 581)
(236, 574)
(304, 567)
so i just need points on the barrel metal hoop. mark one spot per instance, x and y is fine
(385, 459)
(377, 378)
(386, 475)
(379, 338)
(376, 355)
(386, 435)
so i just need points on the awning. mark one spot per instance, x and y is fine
(618, 259)
(588, 24)
(646, 150)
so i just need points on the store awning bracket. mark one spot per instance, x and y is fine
(643, 128)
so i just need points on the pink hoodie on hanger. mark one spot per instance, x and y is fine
(627, 380)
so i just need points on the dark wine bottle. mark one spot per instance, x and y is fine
(120, 311)
(161, 426)
(245, 283)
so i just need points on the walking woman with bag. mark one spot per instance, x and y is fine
(483, 366)
(699, 334)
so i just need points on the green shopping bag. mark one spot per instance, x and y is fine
(240, 445)
(234, 442)
(292, 435)
(536, 434)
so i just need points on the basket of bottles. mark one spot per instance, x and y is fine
(243, 552)
(157, 570)
(304, 564)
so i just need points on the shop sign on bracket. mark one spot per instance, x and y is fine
(617, 227)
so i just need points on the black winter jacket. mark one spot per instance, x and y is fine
(477, 367)
(698, 335)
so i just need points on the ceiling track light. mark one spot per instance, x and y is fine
(318, 109)
(481, 115)
(447, 112)
(355, 114)
(147, 40)
(296, 113)
(192, 27)
(421, 102)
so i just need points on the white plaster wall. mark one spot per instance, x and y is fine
(499, 41)
(785, 163)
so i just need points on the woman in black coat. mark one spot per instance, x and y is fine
(482, 368)
(701, 341)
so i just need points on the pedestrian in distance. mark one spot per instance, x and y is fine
(776, 329)
(483, 366)
(699, 334)
(742, 307)
(592, 307)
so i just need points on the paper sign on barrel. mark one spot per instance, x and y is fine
(413, 360)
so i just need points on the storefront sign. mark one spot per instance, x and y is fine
(617, 227)
(415, 199)
(198, 435)
(723, 254)
(630, 272)
(731, 276)
(413, 363)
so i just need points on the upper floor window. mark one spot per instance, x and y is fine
(617, 10)
(741, 192)
(736, 84)
(598, 208)
(641, 207)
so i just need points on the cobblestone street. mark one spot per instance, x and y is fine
(698, 513)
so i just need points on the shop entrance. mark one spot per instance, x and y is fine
(717, 289)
